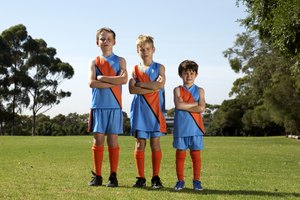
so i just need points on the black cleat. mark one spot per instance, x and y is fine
(156, 183)
(140, 182)
(112, 181)
(96, 180)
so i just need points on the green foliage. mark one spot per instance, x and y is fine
(268, 56)
(285, 105)
(30, 75)
(126, 124)
(232, 168)
(60, 125)
(171, 112)
(278, 23)
(12, 73)
(227, 119)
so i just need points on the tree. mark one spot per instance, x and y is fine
(32, 74)
(45, 73)
(226, 120)
(277, 22)
(13, 92)
(268, 83)
(274, 72)
(4, 90)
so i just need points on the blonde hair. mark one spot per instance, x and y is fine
(143, 39)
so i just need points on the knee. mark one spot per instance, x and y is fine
(140, 145)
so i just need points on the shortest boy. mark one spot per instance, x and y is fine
(188, 124)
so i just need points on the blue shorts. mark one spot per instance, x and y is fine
(190, 142)
(147, 134)
(108, 121)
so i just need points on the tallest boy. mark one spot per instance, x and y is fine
(106, 75)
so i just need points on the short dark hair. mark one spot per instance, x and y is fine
(105, 29)
(187, 65)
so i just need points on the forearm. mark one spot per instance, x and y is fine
(114, 80)
(139, 90)
(198, 109)
(150, 85)
(100, 84)
(190, 107)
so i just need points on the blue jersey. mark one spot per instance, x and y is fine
(187, 123)
(107, 97)
(147, 111)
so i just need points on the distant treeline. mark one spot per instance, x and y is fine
(60, 125)
(76, 124)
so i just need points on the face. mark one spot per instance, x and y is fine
(106, 41)
(188, 77)
(146, 51)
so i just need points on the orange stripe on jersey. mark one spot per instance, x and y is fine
(152, 99)
(187, 97)
(106, 69)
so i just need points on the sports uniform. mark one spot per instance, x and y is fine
(106, 107)
(188, 134)
(148, 122)
(188, 127)
(106, 117)
(147, 111)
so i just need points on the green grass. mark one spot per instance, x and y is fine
(232, 168)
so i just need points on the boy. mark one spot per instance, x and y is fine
(147, 109)
(106, 75)
(188, 125)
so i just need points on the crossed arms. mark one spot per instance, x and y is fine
(190, 107)
(147, 87)
(107, 81)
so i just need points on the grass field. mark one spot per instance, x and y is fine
(232, 168)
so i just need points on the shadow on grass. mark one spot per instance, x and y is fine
(221, 192)
(235, 192)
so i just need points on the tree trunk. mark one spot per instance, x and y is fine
(13, 117)
(33, 124)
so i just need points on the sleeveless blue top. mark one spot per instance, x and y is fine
(141, 116)
(103, 97)
(184, 124)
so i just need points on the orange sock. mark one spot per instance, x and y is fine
(139, 157)
(113, 158)
(195, 155)
(180, 158)
(97, 152)
(156, 160)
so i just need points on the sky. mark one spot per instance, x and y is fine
(198, 30)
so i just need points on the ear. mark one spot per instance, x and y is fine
(153, 49)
